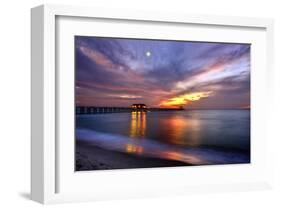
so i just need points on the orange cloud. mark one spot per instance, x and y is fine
(184, 99)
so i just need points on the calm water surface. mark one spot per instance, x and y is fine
(193, 136)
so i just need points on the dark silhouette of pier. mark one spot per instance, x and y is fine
(132, 108)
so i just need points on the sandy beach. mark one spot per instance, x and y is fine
(90, 157)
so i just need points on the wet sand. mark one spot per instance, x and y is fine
(90, 157)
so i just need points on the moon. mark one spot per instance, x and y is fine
(148, 53)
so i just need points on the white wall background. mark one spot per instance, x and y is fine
(15, 94)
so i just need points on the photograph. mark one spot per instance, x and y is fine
(151, 103)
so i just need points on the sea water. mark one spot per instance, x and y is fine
(196, 137)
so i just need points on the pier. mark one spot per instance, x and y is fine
(98, 110)
(132, 108)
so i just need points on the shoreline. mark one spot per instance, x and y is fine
(90, 157)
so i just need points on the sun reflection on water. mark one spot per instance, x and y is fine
(176, 130)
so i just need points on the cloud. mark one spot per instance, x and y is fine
(115, 71)
(215, 65)
(185, 99)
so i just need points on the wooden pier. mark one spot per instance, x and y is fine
(101, 110)
(97, 110)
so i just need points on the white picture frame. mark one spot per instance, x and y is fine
(51, 178)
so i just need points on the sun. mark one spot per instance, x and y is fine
(148, 53)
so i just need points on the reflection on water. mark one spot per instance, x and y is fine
(150, 148)
(196, 137)
(183, 157)
(132, 148)
(138, 124)
(144, 147)
(178, 129)
(175, 129)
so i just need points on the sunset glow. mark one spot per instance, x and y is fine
(185, 99)
(119, 72)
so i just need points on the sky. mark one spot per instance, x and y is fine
(118, 72)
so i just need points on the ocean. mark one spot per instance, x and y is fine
(195, 137)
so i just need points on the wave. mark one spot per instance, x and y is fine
(150, 148)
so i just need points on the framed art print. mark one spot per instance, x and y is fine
(132, 104)
(157, 103)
